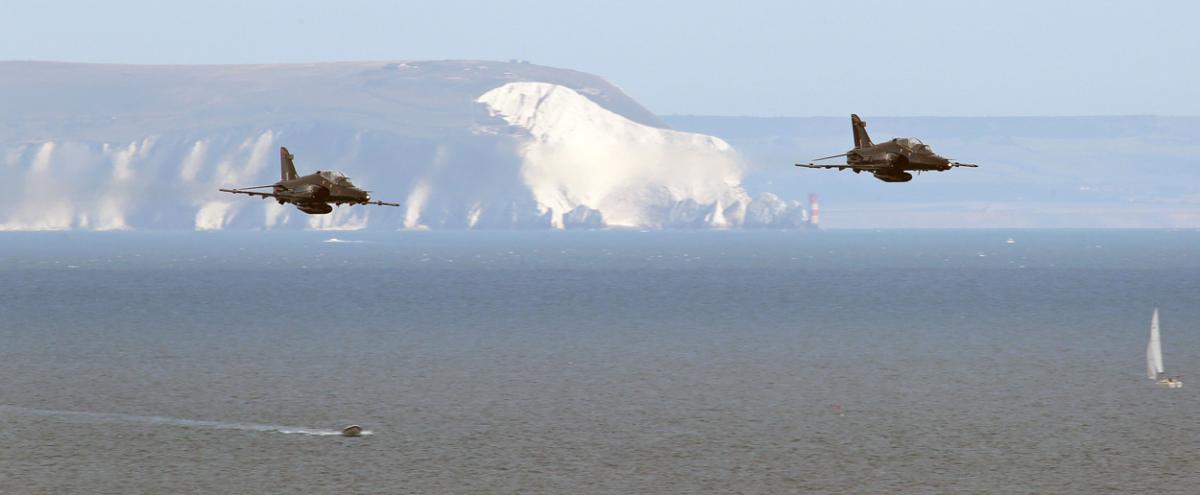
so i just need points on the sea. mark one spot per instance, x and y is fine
(598, 362)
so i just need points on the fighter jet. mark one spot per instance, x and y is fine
(312, 193)
(888, 161)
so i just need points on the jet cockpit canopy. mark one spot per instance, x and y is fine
(913, 144)
(335, 177)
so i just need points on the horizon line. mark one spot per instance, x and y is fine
(1046, 116)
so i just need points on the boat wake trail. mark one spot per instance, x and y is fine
(95, 417)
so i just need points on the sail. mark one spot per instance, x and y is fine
(1154, 362)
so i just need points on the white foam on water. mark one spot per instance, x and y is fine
(96, 417)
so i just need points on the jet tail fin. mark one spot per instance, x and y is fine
(287, 170)
(861, 139)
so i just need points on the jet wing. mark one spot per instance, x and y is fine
(289, 198)
(843, 166)
(251, 193)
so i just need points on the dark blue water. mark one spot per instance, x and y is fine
(598, 362)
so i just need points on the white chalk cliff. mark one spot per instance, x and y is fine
(579, 154)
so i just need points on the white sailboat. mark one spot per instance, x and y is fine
(1154, 359)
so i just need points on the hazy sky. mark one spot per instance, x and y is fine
(746, 57)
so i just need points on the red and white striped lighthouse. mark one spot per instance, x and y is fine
(814, 211)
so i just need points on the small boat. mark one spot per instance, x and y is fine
(1010, 241)
(1154, 359)
(352, 431)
